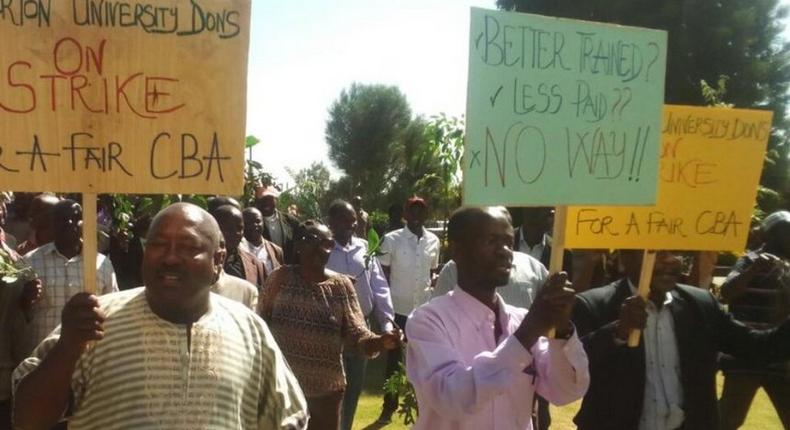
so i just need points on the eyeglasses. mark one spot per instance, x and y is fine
(326, 242)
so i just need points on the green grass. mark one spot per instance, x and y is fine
(762, 415)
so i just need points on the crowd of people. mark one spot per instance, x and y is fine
(242, 316)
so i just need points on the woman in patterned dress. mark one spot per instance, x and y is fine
(314, 314)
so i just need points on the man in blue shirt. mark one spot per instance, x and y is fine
(373, 293)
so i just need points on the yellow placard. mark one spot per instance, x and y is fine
(123, 96)
(710, 165)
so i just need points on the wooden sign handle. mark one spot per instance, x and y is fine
(645, 276)
(557, 248)
(89, 248)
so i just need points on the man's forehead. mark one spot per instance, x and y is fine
(498, 224)
(251, 214)
(487, 225)
(230, 218)
(176, 223)
(181, 220)
(69, 210)
(498, 215)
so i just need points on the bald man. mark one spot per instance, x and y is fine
(168, 355)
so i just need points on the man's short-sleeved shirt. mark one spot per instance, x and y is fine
(410, 259)
(145, 375)
(61, 279)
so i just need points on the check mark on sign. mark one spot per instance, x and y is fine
(496, 94)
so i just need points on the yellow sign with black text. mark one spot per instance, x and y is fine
(123, 96)
(710, 165)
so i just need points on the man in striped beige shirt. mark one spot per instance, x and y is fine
(171, 355)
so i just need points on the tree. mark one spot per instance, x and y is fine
(413, 162)
(738, 39)
(446, 143)
(309, 192)
(364, 125)
(428, 157)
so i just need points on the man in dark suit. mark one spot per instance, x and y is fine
(668, 381)
(267, 252)
(238, 262)
(278, 227)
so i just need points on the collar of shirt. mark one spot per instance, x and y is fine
(271, 219)
(545, 240)
(50, 248)
(207, 320)
(667, 300)
(247, 245)
(413, 237)
(479, 313)
(353, 244)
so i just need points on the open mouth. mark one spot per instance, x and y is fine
(170, 278)
(504, 267)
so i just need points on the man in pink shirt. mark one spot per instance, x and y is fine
(476, 362)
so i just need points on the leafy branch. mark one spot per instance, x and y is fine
(715, 96)
(374, 247)
(254, 175)
(398, 384)
(12, 271)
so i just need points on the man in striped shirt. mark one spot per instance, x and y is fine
(170, 355)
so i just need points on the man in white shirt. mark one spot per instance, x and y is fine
(410, 261)
(526, 279)
(533, 237)
(59, 267)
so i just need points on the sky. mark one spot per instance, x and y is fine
(303, 53)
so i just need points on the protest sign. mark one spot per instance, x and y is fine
(123, 96)
(711, 161)
(562, 112)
